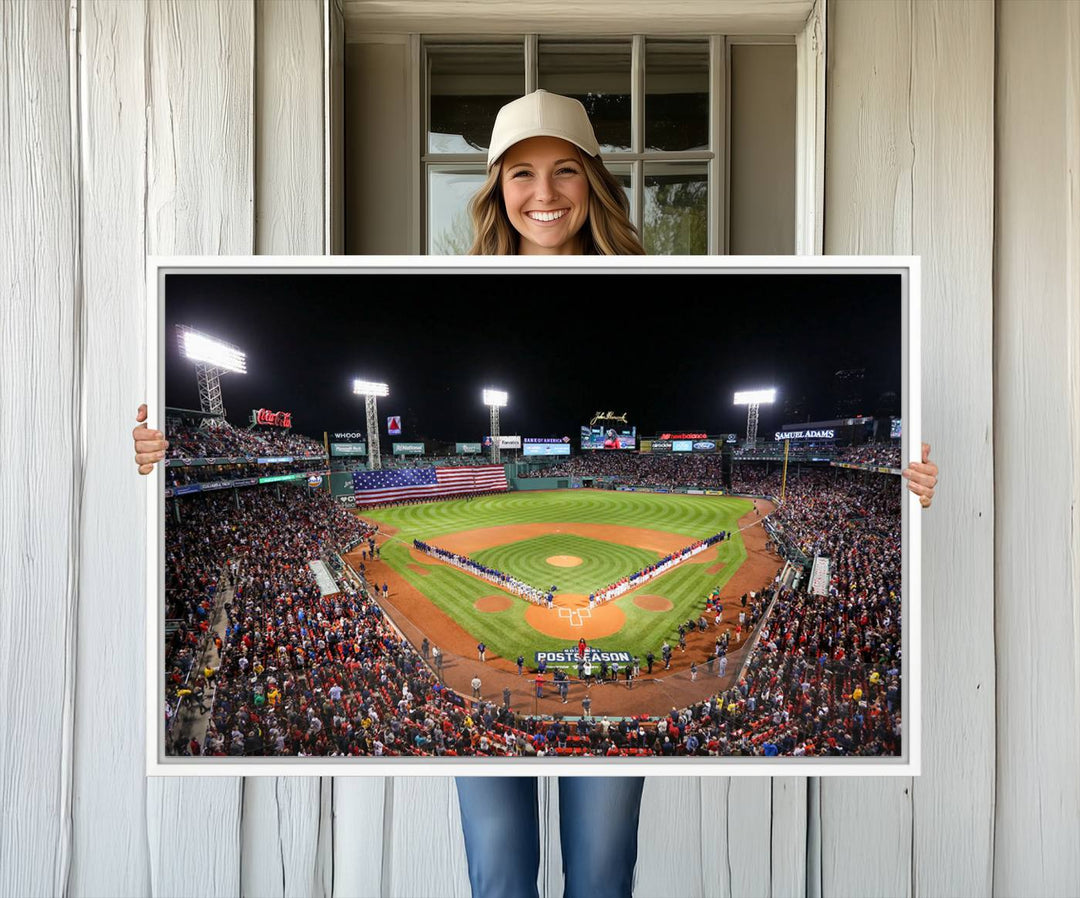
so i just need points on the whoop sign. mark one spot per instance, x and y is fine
(272, 419)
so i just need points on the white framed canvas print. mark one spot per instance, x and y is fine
(507, 516)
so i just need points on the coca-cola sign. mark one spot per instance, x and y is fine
(273, 419)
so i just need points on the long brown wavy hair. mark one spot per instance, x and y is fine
(607, 231)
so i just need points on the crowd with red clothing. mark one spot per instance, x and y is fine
(704, 471)
(301, 673)
(218, 533)
(306, 674)
(634, 469)
(216, 438)
(884, 454)
(825, 677)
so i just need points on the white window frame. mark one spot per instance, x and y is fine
(809, 42)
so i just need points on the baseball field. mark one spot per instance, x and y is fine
(576, 540)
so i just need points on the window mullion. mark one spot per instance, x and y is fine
(718, 144)
(418, 230)
(532, 62)
(637, 129)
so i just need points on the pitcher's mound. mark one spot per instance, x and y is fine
(493, 603)
(563, 560)
(653, 603)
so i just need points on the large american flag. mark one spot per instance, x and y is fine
(398, 484)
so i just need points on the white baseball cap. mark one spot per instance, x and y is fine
(541, 114)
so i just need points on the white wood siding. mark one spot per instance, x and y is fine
(909, 149)
(41, 317)
(199, 201)
(1037, 455)
(109, 821)
(285, 836)
(953, 132)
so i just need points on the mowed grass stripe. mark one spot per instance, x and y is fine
(693, 516)
(602, 563)
(506, 633)
(454, 592)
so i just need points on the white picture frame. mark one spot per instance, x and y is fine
(908, 764)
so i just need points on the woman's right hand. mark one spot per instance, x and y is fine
(150, 445)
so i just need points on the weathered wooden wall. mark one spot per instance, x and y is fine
(1036, 835)
(909, 150)
(953, 132)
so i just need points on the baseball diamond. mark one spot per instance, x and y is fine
(529, 536)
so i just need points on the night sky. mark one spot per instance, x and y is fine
(564, 346)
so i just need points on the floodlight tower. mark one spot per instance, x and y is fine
(212, 358)
(752, 399)
(494, 400)
(370, 391)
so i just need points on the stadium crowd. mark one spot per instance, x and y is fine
(796, 452)
(219, 532)
(306, 674)
(216, 438)
(884, 454)
(300, 673)
(704, 471)
(634, 469)
(825, 675)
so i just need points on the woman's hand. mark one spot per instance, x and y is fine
(922, 477)
(150, 445)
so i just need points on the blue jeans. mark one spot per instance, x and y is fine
(598, 824)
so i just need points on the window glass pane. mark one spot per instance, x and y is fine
(449, 191)
(676, 95)
(624, 176)
(676, 209)
(762, 174)
(597, 74)
(467, 85)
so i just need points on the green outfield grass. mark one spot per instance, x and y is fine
(602, 563)
(506, 632)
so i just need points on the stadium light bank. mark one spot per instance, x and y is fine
(494, 400)
(371, 391)
(752, 399)
(212, 358)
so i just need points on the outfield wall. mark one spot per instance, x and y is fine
(539, 483)
(341, 483)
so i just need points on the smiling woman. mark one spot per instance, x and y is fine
(547, 190)
(546, 195)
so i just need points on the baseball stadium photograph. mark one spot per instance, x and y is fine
(528, 516)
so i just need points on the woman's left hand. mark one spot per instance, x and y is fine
(922, 477)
